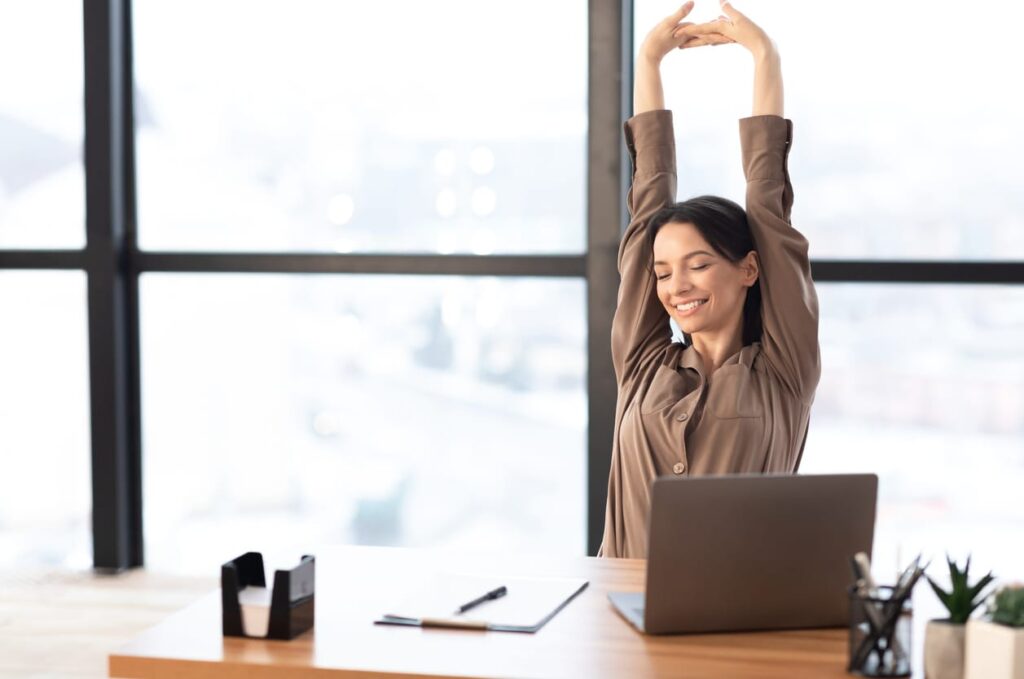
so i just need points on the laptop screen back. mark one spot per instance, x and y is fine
(752, 552)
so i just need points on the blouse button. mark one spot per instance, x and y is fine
(681, 417)
(679, 468)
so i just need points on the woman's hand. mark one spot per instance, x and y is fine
(736, 27)
(732, 26)
(667, 36)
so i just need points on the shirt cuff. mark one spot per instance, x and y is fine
(765, 141)
(651, 141)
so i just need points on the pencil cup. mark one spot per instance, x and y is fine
(879, 633)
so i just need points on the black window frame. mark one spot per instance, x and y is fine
(113, 264)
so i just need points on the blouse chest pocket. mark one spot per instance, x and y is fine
(666, 389)
(735, 392)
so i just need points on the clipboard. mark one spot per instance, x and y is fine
(528, 605)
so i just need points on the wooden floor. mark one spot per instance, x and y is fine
(63, 624)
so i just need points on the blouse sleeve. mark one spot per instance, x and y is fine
(789, 302)
(640, 325)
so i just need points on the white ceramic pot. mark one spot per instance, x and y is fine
(943, 650)
(993, 651)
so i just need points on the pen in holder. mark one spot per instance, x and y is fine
(291, 602)
(880, 625)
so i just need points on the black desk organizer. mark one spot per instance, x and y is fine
(291, 603)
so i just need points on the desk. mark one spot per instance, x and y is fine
(586, 639)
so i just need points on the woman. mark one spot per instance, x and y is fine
(736, 397)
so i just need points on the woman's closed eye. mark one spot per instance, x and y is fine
(665, 276)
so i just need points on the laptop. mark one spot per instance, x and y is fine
(751, 552)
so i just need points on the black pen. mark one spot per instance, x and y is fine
(494, 594)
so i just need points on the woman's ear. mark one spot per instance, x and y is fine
(751, 268)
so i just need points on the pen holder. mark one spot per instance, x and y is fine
(879, 633)
(291, 600)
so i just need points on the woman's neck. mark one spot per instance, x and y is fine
(716, 347)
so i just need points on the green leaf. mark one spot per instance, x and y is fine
(980, 585)
(962, 598)
(960, 576)
(971, 609)
(940, 593)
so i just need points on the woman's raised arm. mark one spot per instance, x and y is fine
(734, 26)
(648, 94)
(789, 302)
(640, 325)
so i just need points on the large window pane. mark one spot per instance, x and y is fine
(42, 180)
(904, 147)
(453, 126)
(924, 385)
(282, 411)
(44, 420)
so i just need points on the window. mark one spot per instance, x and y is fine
(42, 197)
(397, 410)
(44, 420)
(924, 385)
(904, 150)
(458, 141)
(366, 145)
(451, 127)
(381, 409)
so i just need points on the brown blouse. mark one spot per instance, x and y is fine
(752, 415)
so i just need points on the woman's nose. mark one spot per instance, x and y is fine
(680, 284)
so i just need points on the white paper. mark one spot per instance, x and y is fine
(255, 603)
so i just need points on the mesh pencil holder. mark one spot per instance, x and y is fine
(879, 633)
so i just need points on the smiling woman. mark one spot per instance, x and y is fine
(704, 253)
(736, 396)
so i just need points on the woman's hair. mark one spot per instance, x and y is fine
(723, 224)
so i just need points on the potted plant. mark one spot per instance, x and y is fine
(995, 647)
(944, 638)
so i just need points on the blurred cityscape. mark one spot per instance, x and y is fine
(282, 412)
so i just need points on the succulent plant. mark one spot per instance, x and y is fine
(1007, 608)
(963, 597)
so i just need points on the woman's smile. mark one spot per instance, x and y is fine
(690, 308)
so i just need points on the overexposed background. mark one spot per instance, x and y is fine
(281, 411)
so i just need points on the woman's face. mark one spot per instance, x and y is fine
(702, 290)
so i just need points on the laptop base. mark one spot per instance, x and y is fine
(630, 606)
